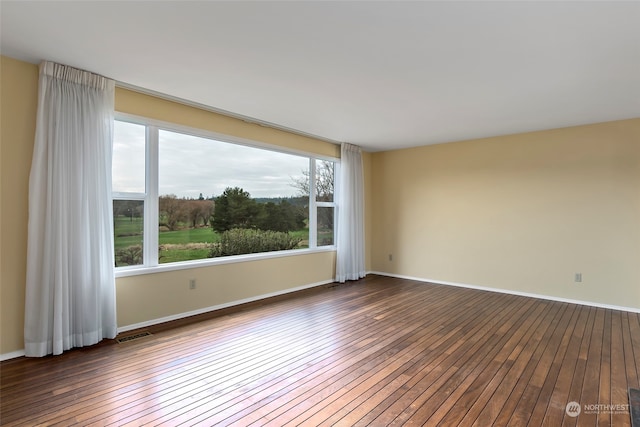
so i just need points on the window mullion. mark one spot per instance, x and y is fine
(313, 210)
(151, 201)
(336, 199)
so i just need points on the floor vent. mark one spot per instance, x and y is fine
(133, 337)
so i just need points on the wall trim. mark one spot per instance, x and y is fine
(219, 307)
(510, 292)
(12, 355)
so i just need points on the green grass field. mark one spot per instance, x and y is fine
(189, 235)
(128, 233)
(178, 255)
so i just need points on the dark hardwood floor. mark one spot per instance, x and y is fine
(377, 352)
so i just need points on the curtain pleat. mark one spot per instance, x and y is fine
(70, 289)
(350, 263)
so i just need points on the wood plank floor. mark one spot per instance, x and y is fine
(377, 352)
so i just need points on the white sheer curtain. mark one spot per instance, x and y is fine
(350, 257)
(70, 290)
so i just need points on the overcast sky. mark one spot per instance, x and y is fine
(190, 165)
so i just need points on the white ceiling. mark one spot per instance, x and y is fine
(379, 74)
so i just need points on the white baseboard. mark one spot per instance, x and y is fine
(218, 307)
(12, 355)
(510, 292)
(19, 353)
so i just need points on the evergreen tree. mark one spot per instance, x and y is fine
(235, 209)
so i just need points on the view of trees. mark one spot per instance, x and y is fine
(325, 177)
(175, 212)
(325, 187)
(232, 223)
(128, 208)
(236, 209)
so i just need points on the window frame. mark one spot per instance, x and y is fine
(150, 199)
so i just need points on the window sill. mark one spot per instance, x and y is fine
(209, 262)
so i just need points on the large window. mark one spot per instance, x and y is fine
(181, 197)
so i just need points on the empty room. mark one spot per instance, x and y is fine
(351, 213)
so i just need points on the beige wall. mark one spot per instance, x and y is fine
(521, 213)
(147, 297)
(18, 100)
(139, 104)
(155, 296)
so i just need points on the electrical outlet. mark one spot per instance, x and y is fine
(192, 283)
(390, 257)
(578, 277)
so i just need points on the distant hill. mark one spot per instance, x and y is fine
(296, 201)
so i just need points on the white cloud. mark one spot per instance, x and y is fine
(128, 158)
(190, 165)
